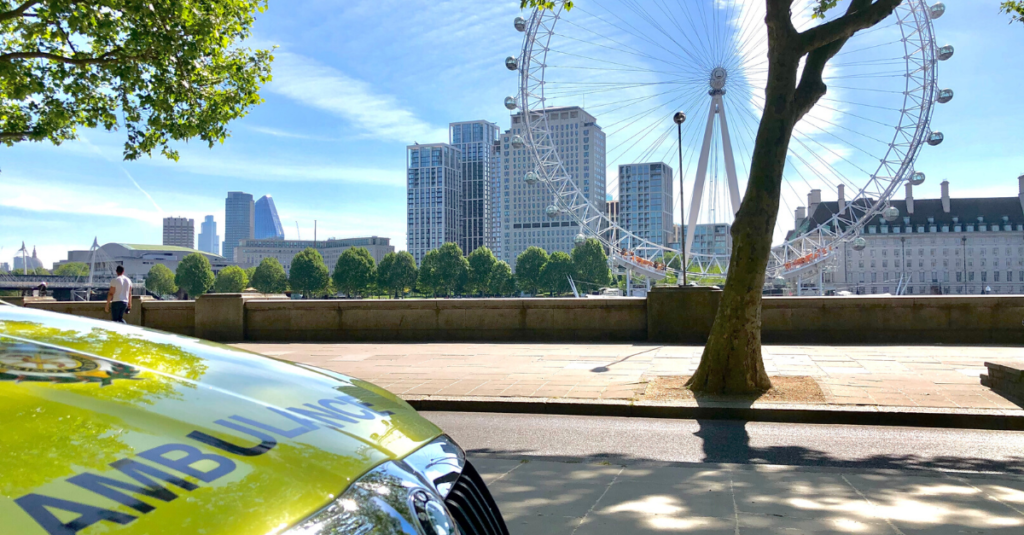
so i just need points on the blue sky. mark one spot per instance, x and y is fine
(355, 82)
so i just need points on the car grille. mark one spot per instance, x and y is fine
(472, 506)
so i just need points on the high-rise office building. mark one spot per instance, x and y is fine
(645, 201)
(239, 221)
(268, 225)
(475, 141)
(209, 241)
(580, 144)
(180, 232)
(434, 179)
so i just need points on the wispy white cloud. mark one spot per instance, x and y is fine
(374, 114)
(286, 134)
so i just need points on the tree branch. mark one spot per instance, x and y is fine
(860, 15)
(778, 18)
(13, 136)
(18, 11)
(105, 58)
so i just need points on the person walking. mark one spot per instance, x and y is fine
(119, 297)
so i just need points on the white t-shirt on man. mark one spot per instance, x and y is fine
(122, 288)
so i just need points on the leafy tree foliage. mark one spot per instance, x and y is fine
(231, 280)
(590, 266)
(429, 282)
(194, 275)
(73, 269)
(160, 280)
(249, 272)
(355, 272)
(309, 275)
(481, 263)
(396, 272)
(269, 277)
(529, 265)
(452, 269)
(1015, 9)
(556, 272)
(164, 71)
(501, 283)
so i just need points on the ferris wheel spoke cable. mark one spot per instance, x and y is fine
(635, 33)
(625, 47)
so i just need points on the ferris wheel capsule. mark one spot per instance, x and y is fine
(891, 214)
(552, 211)
(517, 142)
(945, 95)
(917, 179)
(935, 138)
(510, 103)
(511, 63)
(936, 10)
(779, 282)
(520, 23)
(580, 238)
(531, 178)
(860, 244)
(944, 52)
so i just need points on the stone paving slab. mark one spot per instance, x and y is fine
(894, 376)
(541, 497)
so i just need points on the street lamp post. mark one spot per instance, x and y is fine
(679, 119)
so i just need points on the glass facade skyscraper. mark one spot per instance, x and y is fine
(239, 221)
(475, 141)
(645, 201)
(579, 142)
(435, 207)
(268, 225)
(209, 241)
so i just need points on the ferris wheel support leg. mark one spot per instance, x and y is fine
(698, 183)
(730, 162)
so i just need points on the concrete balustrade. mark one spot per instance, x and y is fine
(667, 315)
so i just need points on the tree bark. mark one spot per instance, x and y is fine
(732, 362)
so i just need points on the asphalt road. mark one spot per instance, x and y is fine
(628, 441)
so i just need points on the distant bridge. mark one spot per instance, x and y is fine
(53, 282)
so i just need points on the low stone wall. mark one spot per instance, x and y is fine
(437, 320)
(1007, 380)
(677, 315)
(668, 316)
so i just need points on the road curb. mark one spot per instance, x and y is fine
(805, 414)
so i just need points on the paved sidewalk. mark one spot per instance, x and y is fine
(890, 376)
(548, 498)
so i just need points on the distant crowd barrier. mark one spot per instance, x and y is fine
(666, 316)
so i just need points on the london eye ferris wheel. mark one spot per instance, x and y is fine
(637, 66)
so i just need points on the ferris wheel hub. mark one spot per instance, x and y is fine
(717, 80)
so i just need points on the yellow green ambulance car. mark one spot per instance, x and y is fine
(112, 429)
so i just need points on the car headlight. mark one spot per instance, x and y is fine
(398, 497)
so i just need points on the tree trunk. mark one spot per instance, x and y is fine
(731, 362)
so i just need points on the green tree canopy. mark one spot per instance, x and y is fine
(1014, 8)
(501, 283)
(160, 280)
(194, 275)
(555, 274)
(481, 262)
(529, 265)
(355, 272)
(269, 277)
(231, 280)
(249, 273)
(428, 281)
(309, 275)
(163, 71)
(452, 269)
(73, 269)
(590, 266)
(396, 272)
